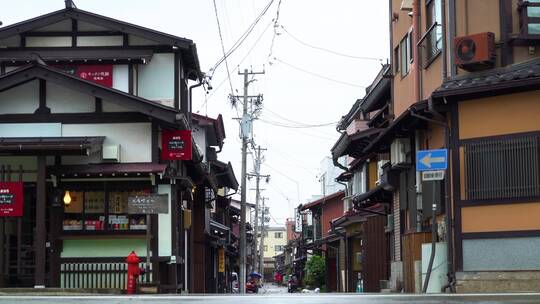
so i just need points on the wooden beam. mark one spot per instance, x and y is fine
(42, 98)
(41, 229)
(99, 105)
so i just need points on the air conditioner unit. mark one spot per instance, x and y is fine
(111, 153)
(400, 149)
(475, 52)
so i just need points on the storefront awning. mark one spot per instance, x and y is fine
(127, 169)
(50, 145)
(221, 231)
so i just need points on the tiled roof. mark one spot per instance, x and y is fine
(493, 79)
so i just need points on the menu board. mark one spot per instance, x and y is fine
(94, 202)
(148, 204)
(11, 199)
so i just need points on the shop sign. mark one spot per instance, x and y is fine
(11, 199)
(101, 74)
(148, 204)
(298, 221)
(221, 260)
(176, 145)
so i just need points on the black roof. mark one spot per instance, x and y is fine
(520, 76)
(186, 46)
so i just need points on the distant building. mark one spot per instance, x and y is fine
(327, 176)
(275, 239)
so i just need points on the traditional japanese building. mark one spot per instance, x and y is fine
(95, 112)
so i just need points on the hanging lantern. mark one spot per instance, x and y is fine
(67, 198)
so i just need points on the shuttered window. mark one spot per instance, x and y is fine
(502, 169)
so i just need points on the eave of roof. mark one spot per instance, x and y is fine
(186, 45)
(323, 199)
(354, 144)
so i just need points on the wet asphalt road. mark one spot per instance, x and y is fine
(273, 298)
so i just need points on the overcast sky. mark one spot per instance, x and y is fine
(294, 92)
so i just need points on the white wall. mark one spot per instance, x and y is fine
(156, 79)
(100, 41)
(31, 130)
(63, 100)
(121, 77)
(164, 227)
(48, 41)
(135, 140)
(23, 99)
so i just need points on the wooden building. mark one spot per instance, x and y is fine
(87, 106)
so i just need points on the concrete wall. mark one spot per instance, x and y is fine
(501, 254)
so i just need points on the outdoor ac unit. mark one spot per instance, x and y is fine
(111, 153)
(399, 150)
(475, 52)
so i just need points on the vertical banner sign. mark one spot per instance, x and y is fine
(221, 259)
(11, 199)
(298, 220)
(176, 145)
(101, 74)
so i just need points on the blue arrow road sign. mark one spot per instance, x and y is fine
(430, 160)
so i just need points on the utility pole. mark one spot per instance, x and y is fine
(257, 175)
(261, 244)
(245, 135)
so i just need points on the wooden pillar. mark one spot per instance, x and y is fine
(41, 233)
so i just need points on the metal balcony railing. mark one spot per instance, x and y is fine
(430, 45)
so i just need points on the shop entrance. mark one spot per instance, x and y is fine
(18, 248)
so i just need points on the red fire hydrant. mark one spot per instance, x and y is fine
(134, 271)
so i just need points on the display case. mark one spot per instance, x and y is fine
(93, 209)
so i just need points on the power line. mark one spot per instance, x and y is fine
(276, 20)
(236, 68)
(328, 50)
(318, 75)
(223, 48)
(280, 124)
(242, 38)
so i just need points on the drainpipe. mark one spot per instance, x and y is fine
(448, 208)
(337, 164)
(416, 57)
(452, 35)
(444, 42)
(201, 82)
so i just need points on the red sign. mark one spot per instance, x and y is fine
(101, 74)
(176, 145)
(11, 199)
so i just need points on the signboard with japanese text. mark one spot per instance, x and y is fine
(148, 204)
(221, 260)
(101, 74)
(176, 145)
(298, 220)
(11, 199)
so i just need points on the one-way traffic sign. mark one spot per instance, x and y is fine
(429, 160)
